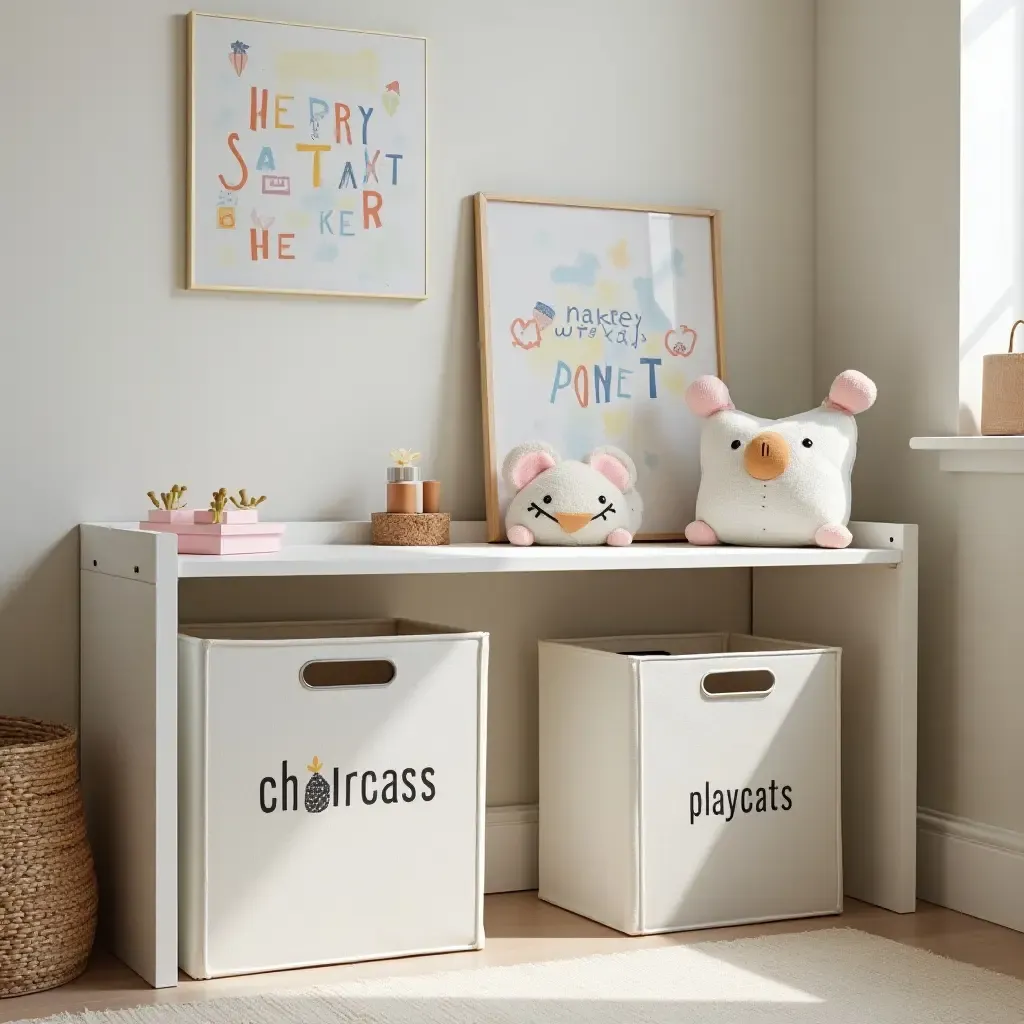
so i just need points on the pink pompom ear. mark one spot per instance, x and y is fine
(528, 466)
(708, 395)
(609, 466)
(852, 392)
(614, 465)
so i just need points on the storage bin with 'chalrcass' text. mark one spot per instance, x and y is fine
(331, 793)
(689, 781)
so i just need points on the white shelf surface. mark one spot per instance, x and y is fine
(974, 453)
(340, 549)
(361, 560)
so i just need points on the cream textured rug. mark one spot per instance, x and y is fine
(836, 976)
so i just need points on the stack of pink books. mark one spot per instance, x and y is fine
(239, 531)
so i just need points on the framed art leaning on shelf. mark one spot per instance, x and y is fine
(594, 318)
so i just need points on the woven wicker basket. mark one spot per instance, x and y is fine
(47, 881)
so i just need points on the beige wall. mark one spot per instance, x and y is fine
(888, 249)
(115, 381)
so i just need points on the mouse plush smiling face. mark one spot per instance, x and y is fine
(567, 502)
(777, 482)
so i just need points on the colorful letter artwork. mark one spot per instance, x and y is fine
(597, 319)
(308, 159)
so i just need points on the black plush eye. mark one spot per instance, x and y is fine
(547, 499)
(807, 442)
(601, 498)
(735, 445)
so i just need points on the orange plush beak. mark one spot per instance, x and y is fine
(572, 521)
(767, 456)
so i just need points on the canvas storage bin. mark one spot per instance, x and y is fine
(331, 793)
(689, 781)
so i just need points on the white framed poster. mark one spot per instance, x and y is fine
(594, 319)
(307, 159)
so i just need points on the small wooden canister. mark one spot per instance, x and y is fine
(1002, 391)
(431, 495)
(403, 499)
(405, 490)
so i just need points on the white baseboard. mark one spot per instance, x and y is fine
(970, 867)
(964, 865)
(510, 851)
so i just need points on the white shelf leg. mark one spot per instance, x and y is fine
(871, 612)
(129, 592)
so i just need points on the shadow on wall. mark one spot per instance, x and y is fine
(456, 452)
(967, 422)
(39, 636)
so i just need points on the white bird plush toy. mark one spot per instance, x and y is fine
(777, 482)
(562, 501)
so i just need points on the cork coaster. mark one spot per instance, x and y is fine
(425, 529)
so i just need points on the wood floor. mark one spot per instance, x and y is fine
(521, 929)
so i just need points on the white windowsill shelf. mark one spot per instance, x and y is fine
(975, 453)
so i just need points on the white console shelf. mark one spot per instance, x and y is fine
(343, 549)
(863, 599)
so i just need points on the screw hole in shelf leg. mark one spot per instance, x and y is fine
(95, 563)
(136, 570)
(892, 540)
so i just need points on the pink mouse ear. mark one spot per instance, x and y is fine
(615, 465)
(852, 392)
(526, 462)
(708, 395)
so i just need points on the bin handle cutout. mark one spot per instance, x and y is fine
(738, 682)
(332, 674)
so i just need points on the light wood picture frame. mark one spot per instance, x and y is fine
(307, 159)
(594, 318)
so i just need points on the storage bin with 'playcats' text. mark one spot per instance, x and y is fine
(331, 793)
(689, 781)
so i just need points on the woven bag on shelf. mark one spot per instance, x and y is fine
(1002, 391)
(47, 881)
